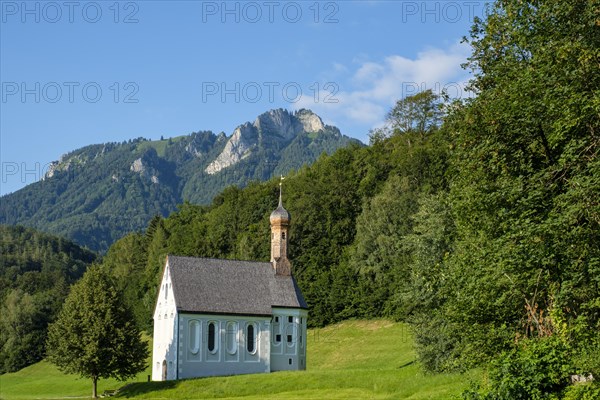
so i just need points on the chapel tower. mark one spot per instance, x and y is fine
(280, 222)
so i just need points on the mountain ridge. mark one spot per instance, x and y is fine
(96, 194)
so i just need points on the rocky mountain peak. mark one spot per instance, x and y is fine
(111, 189)
(274, 123)
(278, 124)
(278, 121)
(238, 147)
(310, 121)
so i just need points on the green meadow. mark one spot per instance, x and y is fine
(350, 360)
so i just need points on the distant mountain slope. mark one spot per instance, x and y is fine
(97, 194)
(36, 270)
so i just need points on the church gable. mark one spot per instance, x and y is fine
(165, 330)
(165, 301)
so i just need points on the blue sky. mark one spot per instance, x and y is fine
(76, 73)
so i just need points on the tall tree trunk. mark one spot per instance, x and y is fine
(94, 386)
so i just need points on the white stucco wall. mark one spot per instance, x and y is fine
(230, 355)
(288, 339)
(165, 328)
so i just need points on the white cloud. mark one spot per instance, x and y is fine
(341, 68)
(368, 72)
(374, 86)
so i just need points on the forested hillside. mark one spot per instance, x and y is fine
(350, 213)
(36, 271)
(97, 194)
(477, 220)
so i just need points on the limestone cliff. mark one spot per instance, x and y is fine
(274, 125)
(98, 193)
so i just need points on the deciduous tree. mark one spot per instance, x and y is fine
(95, 335)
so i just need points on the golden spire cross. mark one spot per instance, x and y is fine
(280, 185)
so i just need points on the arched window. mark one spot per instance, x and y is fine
(251, 338)
(283, 235)
(194, 337)
(232, 335)
(212, 337)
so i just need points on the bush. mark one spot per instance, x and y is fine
(587, 391)
(535, 369)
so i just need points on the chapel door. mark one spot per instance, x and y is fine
(164, 370)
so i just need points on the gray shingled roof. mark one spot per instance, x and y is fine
(208, 285)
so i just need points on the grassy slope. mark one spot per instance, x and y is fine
(353, 359)
(44, 381)
(159, 145)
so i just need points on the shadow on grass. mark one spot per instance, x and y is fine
(136, 389)
(406, 364)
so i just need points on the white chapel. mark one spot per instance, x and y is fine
(226, 317)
